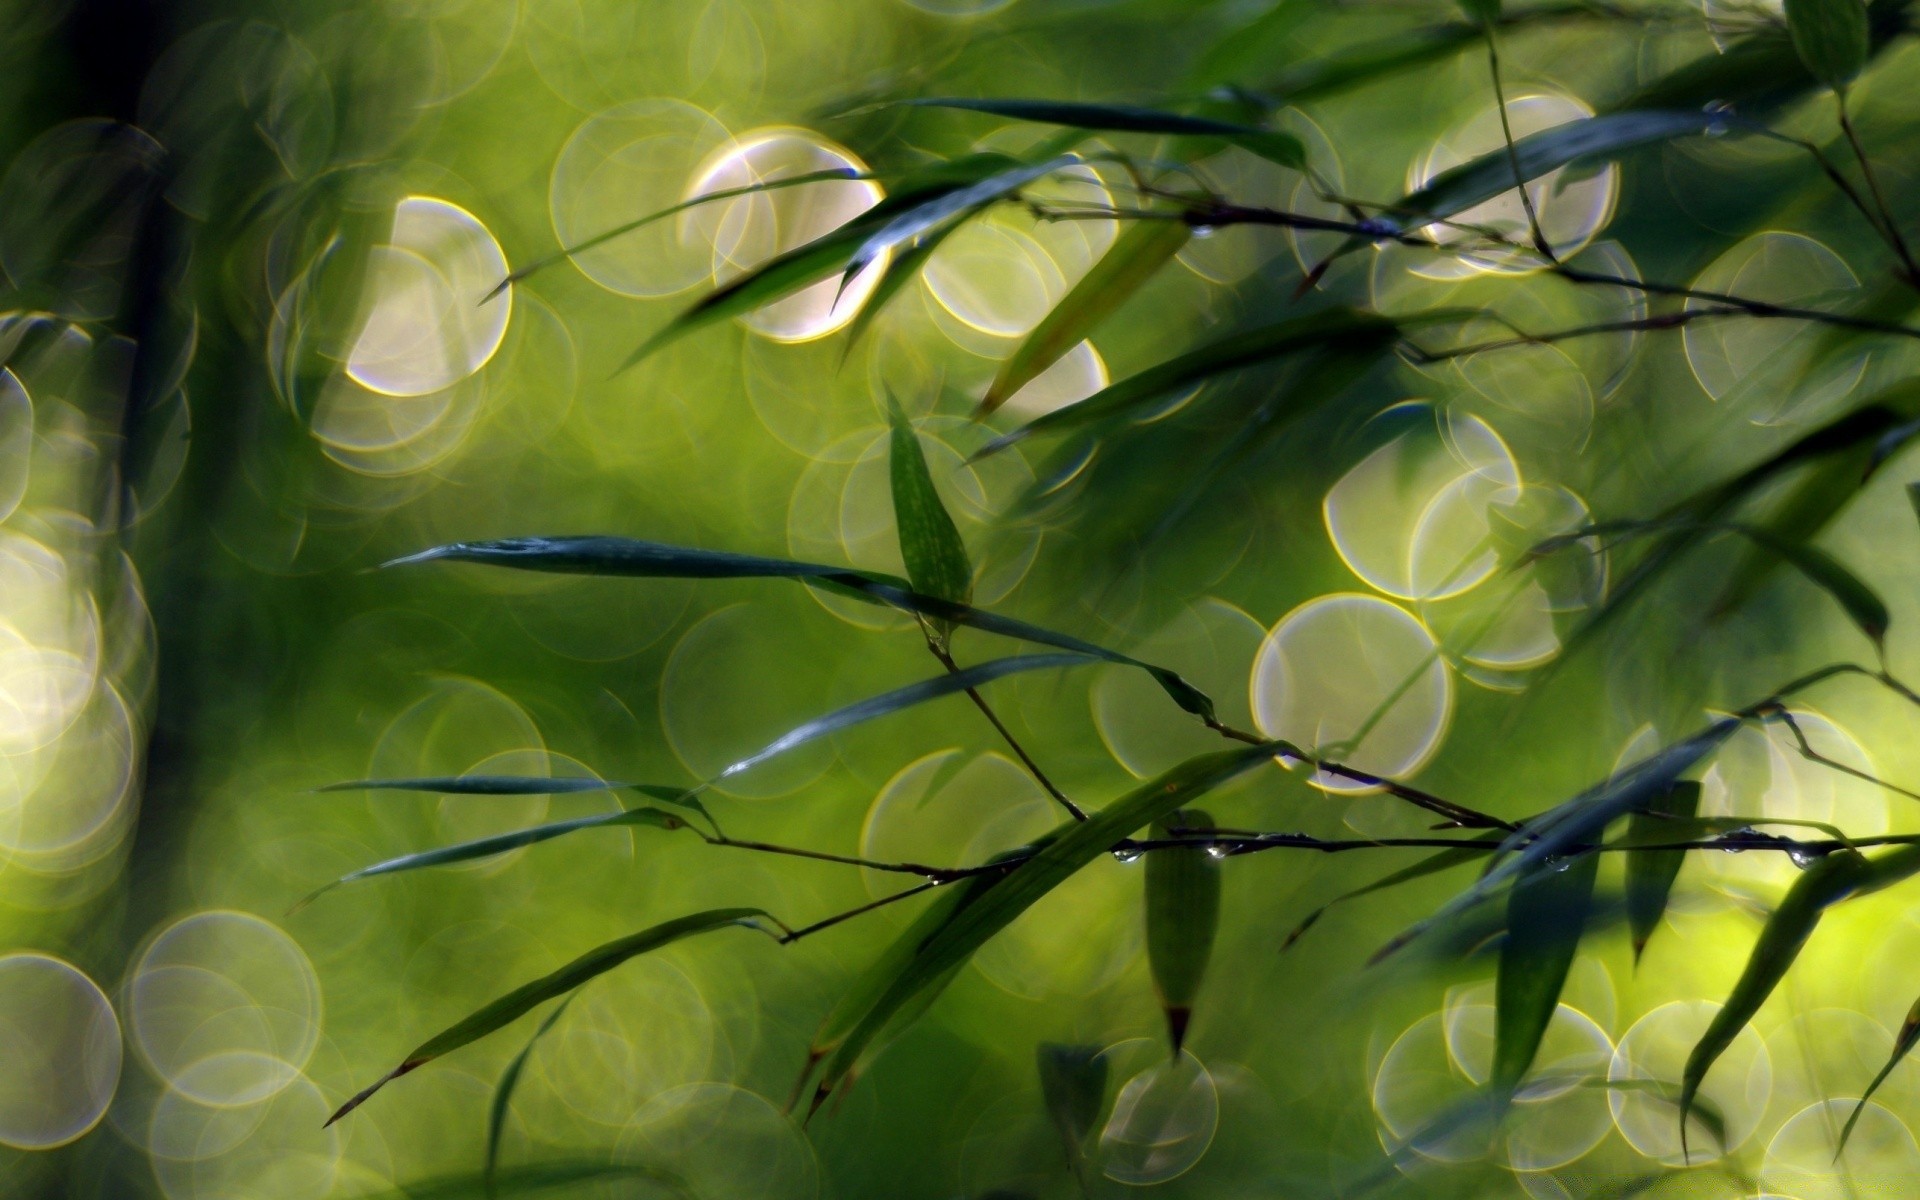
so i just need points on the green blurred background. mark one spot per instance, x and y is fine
(242, 245)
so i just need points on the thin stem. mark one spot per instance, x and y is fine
(794, 935)
(980, 702)
(1891, 228)
(1513, 155)
(939, 874)
(1810, 754)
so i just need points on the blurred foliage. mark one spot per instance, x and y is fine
(872, 473)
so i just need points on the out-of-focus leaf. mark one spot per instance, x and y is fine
(503, 1094)
(1476, 850)
(1861, 603)
(1704, 1110)
(1183, 915)
(1368, 62)
(1913, 498)
(930, 545)
(634, 558)
(1270, 144)
(533, 1179)
(529, 996)
(1831, 37)
(1902, 1046)
(498, 785)
(1650, 873)
(1578, 822)
(1546, 914)
(1482, 12)
(1828, 881)
(951, 206)
(1339, 327)
(1760, 71)
(994, 907)
(500, 843)
(1814, 500)
(1073, 1085)
(902, 269)
(1135, 256)
(1249, 48)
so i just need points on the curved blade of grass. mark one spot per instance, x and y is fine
(1650, 873)
(1831, 37)
(1135, 257)
(601, 239)
(1705, 1111)
(1183, 915)
(902, 269)
(1577, 822)
(950, 206)
(1432, 864)
(995, 907)
(930, 545)
(529, 996)
(533, 1179)
(1546, 914)
(1812, 503)
(1073, 1086)
(634, 558)
(1832, 879)
(499, 843)
(1902, 1045)
(1335, 327)
(1270, 144)
(498, 785)
(503, 1095)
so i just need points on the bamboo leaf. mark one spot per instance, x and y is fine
(1704, 1111)
(527, 997)
(1824, 489)
(1136, 255)
(1861, 603)
(1073, 1085)
(1270, 144)
(503, 1095)
(1482, 12)
(498, 785)
(1650, 873)
(533, 1179)
(902, 269)
(1546, 914)
(951, 205)
(1832, 879)
(1831, 37)
(1183, 915)
(993, 907)
(1576, 824)
(930, 544)
(634, 558)
(1338, 327)
(1476, 850)
(1902, 1046)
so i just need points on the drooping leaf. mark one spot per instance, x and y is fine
(1832, 879)
(1340, 327)
(1650, 873)
(1902, 1046)
(1704, 1111)
(493, 785)
(1475, 850)
(499, 843)
(951, 206)
(1577, 823)
(503, 1094)
(1270, 144)
(993, 908)
(1183, 915)
(1831, 37)
(1135, 256)
(1546, 914)
(901, 270)
(527, 997)
(930, 544)
(1073, 1086)
(1862, 604)
(634, 558)
(1815, 499)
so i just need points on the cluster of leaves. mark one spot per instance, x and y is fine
(1543, 865)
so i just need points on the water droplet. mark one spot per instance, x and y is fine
(1217, 852)
(1803, 857)
(1126, 855)
(1202, 232)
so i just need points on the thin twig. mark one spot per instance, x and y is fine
(1891, 227)
(794, 935)
(980, 702)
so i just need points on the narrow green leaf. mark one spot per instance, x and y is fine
(1183, 915)
(1072, 847)
(1650, 873)
(1546, 914)
(1341, 327)
(634, 558)
(1073, 1085)
(1475, 851)
(1270, 144)
(1913, 498)
(1135, 256)
(930, 544)
(1577, 823)
(1861, 603)
(1828, 881)
(1831, 37)
(902, 269)
(503, 1094)
(1251, 47)
(1815, 499)
(949, 206)
(490, 785)
(1368, 62)
(1482, 12)
(534, 1179)
(1704, 1110)
(525, 998)
(1902, 1045)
